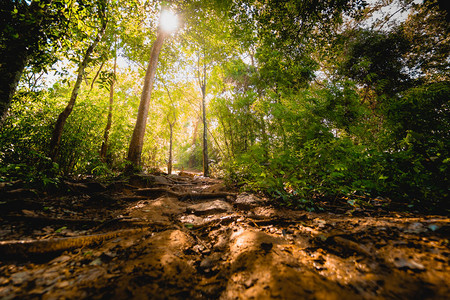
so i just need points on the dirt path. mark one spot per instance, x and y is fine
(184, 237)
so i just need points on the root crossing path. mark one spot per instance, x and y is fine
(187, 237)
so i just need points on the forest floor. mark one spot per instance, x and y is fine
(187, 237)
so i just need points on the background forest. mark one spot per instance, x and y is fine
(304, 101)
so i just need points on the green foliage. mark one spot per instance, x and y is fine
(375, 59)
(37, 24)
(424, 112)
(82, 134)
(24, 140)
(25, 136)
(338, 168)
(426, 29)
(327, 158)
(289, 73)
(190, 157)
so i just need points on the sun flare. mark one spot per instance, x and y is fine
(168, 21)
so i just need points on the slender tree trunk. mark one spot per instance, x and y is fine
(12, 62)
(216, 143)
(227, 145)
(265, 142)
(62, 118)
(169, 164)
(104, 148)
(194, 139)
(201, 76)
(137, 139)
(205, 133)
(171, 124)
(98, 73)
(232, 140)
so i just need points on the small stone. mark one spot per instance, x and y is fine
(416, 227)
(62, 284)
(212, 207)
(433, 227)
(76, 187)
(207, 263)
(60, 259)
(96, 262)
(250, 282)
(198, 248)
(19, 278)
(149, 180)
(247, 201)
(109, 254)
(403, 263)
(221, 243)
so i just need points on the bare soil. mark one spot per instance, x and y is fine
(187, 237)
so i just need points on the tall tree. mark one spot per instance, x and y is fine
(171, 118)
(167, 24)
(212, 44)
(101, 10)
(201, 77)
(137, 139)
(104, 148)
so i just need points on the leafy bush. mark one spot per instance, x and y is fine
(324, 170)
(24, 140)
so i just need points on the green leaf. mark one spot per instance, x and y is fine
(60, 229)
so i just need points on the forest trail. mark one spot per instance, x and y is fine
(187, 237)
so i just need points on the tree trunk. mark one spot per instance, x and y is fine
(137, 139)
(104, 148)
(194, 140)
(62, 118)
(227, 145)
(12, 62)
(171, 124)
(265, 139)
(205, 133)
(201, 76)
(169, 164)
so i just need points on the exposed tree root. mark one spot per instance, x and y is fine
(51, 220)
(212, 223)
(196, 196)
(182, 196)
(250, 221)
(133, 198)
(351, 245)
(23, 249)
(19, 194)
(130, 223)
(156, 192)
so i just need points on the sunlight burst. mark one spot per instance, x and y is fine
(168, 21)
